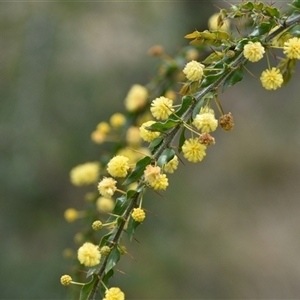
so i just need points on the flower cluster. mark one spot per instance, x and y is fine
(85, 174)
(254, 51)
(114, 293)
(118, 166)
(161, 108)
(138, 214)
(205, 120)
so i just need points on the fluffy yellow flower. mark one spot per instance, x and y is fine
(291, 48)
(160, 183)
(89, 255)
(152, 173)
(114, 293)
(71, 214)
(107, 187)
(271, 79)
(136, 98)
(85, 174)
(193, 151)
(103, 127)
(133, 137)
(213, 23)
(172, 165)
(118, 166)
(98, 137)
(148, 135)
(66, 280)
(205, 120)
(254, 51)
(138, 215)
(161, 108)
(117, 120)
(193, 70)
(105, 204)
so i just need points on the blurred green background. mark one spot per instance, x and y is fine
(228, 228)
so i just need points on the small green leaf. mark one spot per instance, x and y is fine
(92, 271)
(210, 79)
(295, 31)
(213, 57)
(87, 288)
(165, 157)
(156, 143)
(181, 139)
(258, 5)
(132, 225)
(262, 29)
(271, 11)
(105, 238)
(114, 257)
(248, 6)
(105, 279)
(233, 78)
(296, 3)
(241, 44)
(186, 103)
(163, 126)
(138, 171)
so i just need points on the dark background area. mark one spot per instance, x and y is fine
(228, 227)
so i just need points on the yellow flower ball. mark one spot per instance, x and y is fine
(193, 151)
(271, 79)
(89, 255)
(118, 166)
(254, 51)
(148, 135)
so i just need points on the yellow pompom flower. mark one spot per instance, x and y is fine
(271, 79)
(103, 127)
(152, 173)
(85, 174)
(160, 183)
(136, 98)
(71, 214)
(193, 151)
(105, 204)
(193, 70)
(138, 215)
(205, 120)
(107, 187)
(133, 137)
(114, 293)
(291, 48)
(117, 120)
(172, 165)
(148, 135)
(66, 280)
(89, 255)
(254, 51)
(118, 166)
(161, 108)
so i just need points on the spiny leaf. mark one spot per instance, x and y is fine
(114, 257)
(233, 78)
(165, 157)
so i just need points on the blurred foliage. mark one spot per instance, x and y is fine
(66, 66)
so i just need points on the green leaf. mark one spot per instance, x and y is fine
(295, 30)
(105, 238)
(186, 103)
(163, 126)
(213, 57)
(233, 78)
(156, 143)
(132, 225)
(258, 5)
(271, 12)
(241, 44)
(92, 271)
(296, 3)
(165, 157)
(181, 139)
(248, 6)
(114, 257)
(261, 29)
(210, 79)
(87, 288)
(138, 171)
